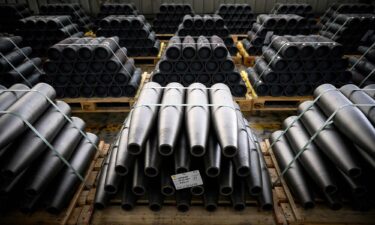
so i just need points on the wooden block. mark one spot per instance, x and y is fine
(74, 217)
(83, 198)
(91, 196)
(164, 36)
(264, 148)
(91, 179)
(273, 174)
(98, 164)
(289, 216)
(85, 216)
(88, 106)
(104, 151)
(279, 217)
(235, 38)
(244, 104)
(269, 162)
(281, 196)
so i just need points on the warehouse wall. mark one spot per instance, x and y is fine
(210, 6)
(149, 7)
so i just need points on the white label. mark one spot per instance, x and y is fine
(187, 180)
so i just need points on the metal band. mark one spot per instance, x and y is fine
(15, 68)
(58, 109)
(50, 146)
(362, 56)
(278, 51)
(304, 148)
(367, 77)
(16, 46)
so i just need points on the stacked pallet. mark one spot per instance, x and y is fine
(293, 8)
(45, 164)
(207, 25)
(150, 148)
(335, 161)
(295, 65)
(170, 16)
(107, 9)
(187, 60)
(237, 17)
(347, 24)
(91, 67)
(304, 10)
(10, 14)
(134, 32)
(269, 24)
(363, 67)
(348, 29)
(75, 11)
(41, 32)
(15, 64)
(346, 8)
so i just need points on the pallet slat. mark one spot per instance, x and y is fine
(271, 103)
(245, 103)
(164, 36)
(108, 104)
(141, 214)
(283, 103)
(74, 217)
(150, 60)
(114, 215)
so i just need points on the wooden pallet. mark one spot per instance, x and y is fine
(141, 214)
(84, 208)
(245, 103)
(98, 105)
(72, 215)
(271, 103)
(282, 103)
(321, 214)
(279, 195)
(164, 36)
(108, 104)
(150, 60)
